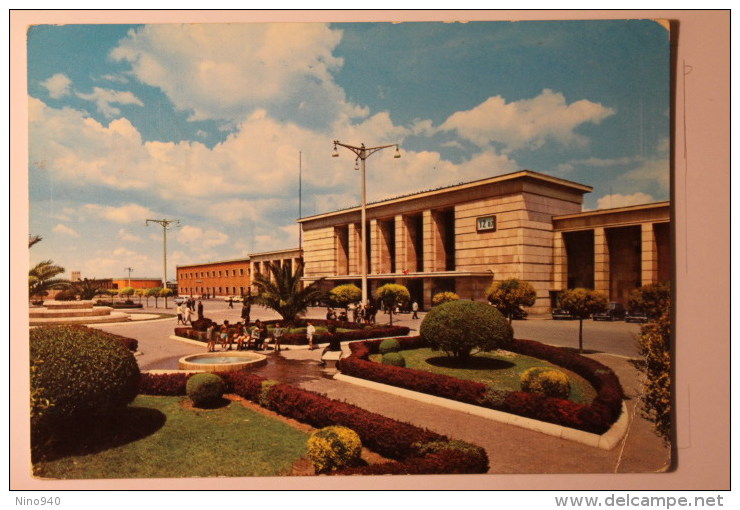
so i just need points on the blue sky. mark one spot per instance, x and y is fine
(205, 123)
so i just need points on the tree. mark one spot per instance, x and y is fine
(153, 292)
(464, 328)
(654, 344)
(140, 293)
(392, 295)
(43, 277)
(582, 303)
(343, 295)
(444, 297)
(127, 292)
(282, 290)
(511, 294)
(165, 293)
(88, 288)
(653, 299)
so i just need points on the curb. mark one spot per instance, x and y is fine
(606, 441)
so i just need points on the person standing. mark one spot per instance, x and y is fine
(179, 314)
(200, 309)
(211, 336)
(310, 332)
(231, 302)
(415, 309)
(188, 316)
(225, 336)
(277, 332)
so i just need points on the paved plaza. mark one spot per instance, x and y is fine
(510, 449)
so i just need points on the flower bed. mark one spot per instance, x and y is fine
(414, 450)
(597, 417)
(358, 332)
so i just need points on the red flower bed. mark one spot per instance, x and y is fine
(596, 417)
(403, 442)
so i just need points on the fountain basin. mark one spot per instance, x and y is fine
(222, 361)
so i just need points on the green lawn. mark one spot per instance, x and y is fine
(499, 368)
(159, 438)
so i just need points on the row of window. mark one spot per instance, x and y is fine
(212, 291)
(208, 274)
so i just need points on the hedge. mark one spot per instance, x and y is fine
(597, 417)
(402, 442)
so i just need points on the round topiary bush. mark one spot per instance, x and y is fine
(462, 328)
(389, 345)
(334, 447)
(546, 381)
(76, 373)
(393, 358)
(205, 389)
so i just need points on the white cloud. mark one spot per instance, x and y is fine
(63, 229)
(104, 99)
(619, 200)
(125, 235)
(128, 213)
(196, 236)
(233, 68)
(526, 123)
(58, 85)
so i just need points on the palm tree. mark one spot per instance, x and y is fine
(88, 288)
(282, 290)
(43, 277)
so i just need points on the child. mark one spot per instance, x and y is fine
(225, 336)
(211, 337)
(277, 332)
(310, 332)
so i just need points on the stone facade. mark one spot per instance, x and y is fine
(431, 241)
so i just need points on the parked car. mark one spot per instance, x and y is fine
(558, 314)
(180, 300)
(615, 312)
(635, 316)
(519, 314)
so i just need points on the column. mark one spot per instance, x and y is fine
(649, 255)
(374, 258)
(601, 261)
(560, 263)
(355, 242)
(401, 245)
(428, 241)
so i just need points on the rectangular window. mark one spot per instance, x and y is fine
(241, 271)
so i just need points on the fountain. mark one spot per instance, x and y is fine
(222, 361)
(73, 312)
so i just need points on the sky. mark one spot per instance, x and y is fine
(220, 125)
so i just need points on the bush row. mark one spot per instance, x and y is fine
(596, 417)
(414, 450)
(359, 332)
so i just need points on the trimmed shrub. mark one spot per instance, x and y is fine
(265, 388)
(546, 381)
(444, 297)
(334, 447)
(389, 345)
(77, 373)
(393, 358)
(460, 327)
(205, 389)
(66, 295)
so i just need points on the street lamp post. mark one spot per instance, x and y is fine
(129, 269)
(165, 225)
(363, 153)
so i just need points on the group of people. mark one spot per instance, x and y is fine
(186, 310)
(245, 337)
(360, 313)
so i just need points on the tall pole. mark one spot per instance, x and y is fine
(300, 189)
(363, 153)
(165, 225)
(129, 269)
